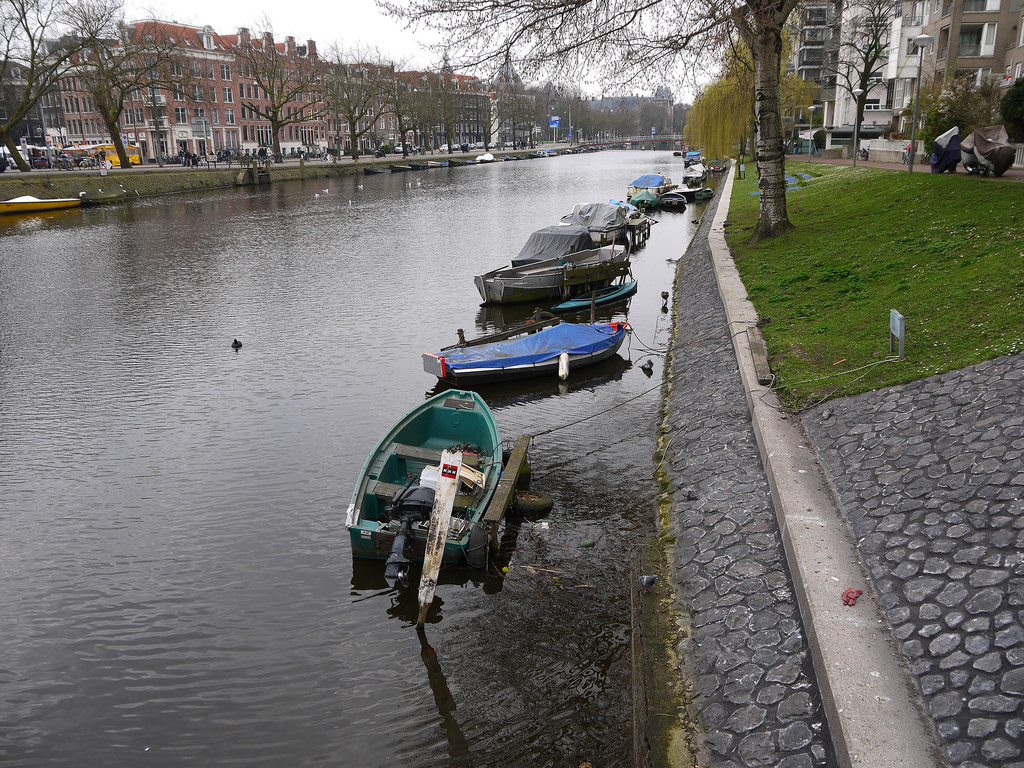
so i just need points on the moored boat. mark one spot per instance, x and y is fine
(557, 278)
(654, 183)
(399, 168)
(30, 204)
(103, 196)
(370, 170)
(602, 297)
(389, 515)
(705, 193)
(674, 200)
(645, 198)
(531, 353)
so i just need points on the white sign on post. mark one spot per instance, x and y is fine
(897, 332)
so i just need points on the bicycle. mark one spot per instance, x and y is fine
(906, 157)
(63, 164)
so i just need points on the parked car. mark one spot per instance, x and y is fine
(443, 148)
(464, 147)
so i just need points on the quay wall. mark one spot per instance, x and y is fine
(145, 181)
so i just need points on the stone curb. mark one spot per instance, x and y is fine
(874, 712)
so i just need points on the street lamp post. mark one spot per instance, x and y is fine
(857, 93)
(920, 41)
(814, 147)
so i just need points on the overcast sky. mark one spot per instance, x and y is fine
(345, 23)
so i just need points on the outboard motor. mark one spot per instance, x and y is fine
(410, 505)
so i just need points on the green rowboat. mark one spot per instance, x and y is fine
(389, 517)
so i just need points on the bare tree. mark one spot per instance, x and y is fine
(399, 96)
(36, 49)
(120, 62)
(289, 78)
(863, 47)
(618, 40)
(354, 91)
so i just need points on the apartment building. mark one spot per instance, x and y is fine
(979, 38)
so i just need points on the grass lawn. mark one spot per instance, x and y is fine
(946, 251)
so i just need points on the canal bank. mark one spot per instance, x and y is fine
(148, 181)
(908, 496)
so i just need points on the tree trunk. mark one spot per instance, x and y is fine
(16, 157)
(115, 137)
(773, 218)
(353, 149)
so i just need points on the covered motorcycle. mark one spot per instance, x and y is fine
(987, 150)
(946, 152)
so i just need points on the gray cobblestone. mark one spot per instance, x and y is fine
(755, 695)
(957, 616)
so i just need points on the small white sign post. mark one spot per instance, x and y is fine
(897, 332)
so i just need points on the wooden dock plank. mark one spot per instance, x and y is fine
(505, 492)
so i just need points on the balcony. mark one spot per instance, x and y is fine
(970, 50)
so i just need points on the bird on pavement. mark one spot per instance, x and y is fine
(647, 582)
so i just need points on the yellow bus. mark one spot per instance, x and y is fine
(83, 150)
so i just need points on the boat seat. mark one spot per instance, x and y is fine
(385, 491)
(430, 455)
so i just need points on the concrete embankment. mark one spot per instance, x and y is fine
(783, 673)
(153, 180)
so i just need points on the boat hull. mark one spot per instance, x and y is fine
(29, 204)
(553, 278)
(600, 298)
(414, 443)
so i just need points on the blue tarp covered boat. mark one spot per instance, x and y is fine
(530, 354)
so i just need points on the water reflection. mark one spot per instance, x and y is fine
(178, 580)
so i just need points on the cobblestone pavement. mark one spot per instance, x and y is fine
(930, 476)
(755, 692)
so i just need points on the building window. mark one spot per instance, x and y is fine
(229, 95)
(213, 94)
(176, 69)
(209, 70)
(215, 117)
(225, 71)
(229, 116)
(180, 115)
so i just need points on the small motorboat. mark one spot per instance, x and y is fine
(674, 200)
(599, 298)
(556, 262)
(644, 199)
(558, 348)
(370, 170)
(30, 204)
(103, 196)
(399, 168)
(705, 193)
(389, 516)
(486, 157)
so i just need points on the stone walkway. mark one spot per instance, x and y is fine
(930, 476)
(755, 691)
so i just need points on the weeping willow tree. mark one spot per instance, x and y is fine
(722, 118)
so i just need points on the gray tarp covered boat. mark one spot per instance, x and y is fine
(554, 242)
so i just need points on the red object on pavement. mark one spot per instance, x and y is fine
(850, 596)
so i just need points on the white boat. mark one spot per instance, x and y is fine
(486, 157)
(654, 183)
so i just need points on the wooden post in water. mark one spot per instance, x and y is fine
(440, 518)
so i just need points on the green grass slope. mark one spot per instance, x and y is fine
(945, 251)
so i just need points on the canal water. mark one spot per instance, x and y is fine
(177, 583)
